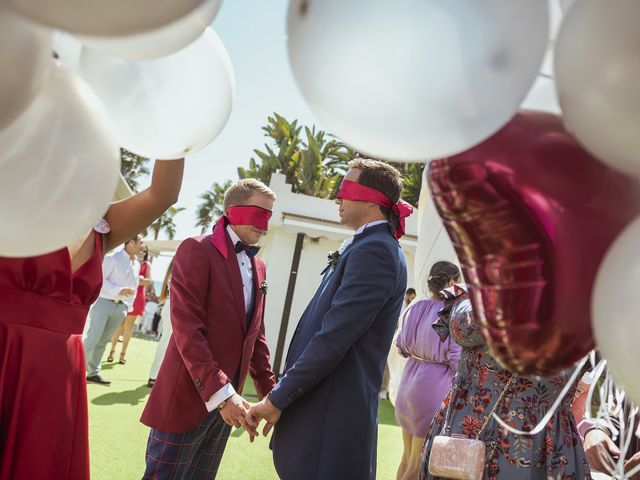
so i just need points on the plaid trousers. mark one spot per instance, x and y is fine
(192, 455)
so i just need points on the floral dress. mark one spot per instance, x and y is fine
(556, 453)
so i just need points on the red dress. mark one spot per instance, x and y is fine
(140, 301)
(43, 396)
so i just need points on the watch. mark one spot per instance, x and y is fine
(222, 404)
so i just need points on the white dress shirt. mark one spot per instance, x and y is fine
(118, 272)
(246, 271)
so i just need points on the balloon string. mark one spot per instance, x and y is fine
(597, 373)
(543, 423)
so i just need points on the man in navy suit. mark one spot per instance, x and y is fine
(325, 407)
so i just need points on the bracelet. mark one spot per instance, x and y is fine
(222, 404)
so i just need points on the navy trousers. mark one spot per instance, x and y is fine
(195, 454)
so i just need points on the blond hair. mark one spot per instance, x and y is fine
(239, 193)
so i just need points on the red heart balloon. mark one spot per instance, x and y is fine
(531, 215)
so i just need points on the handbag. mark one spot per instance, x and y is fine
(458, 457)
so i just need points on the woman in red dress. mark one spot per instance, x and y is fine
(44, 302)
(126, 327)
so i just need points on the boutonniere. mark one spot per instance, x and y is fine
(333, 258)
(264, 287)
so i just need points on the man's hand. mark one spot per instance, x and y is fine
(599, 449)
(127, 292)
(234, 412)
(631, 463)
(263, 410)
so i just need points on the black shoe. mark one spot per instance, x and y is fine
(98, 379)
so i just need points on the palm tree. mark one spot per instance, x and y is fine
(165, 223)
(211, 206)
(132, 167)
(312, 166)
(412, 176)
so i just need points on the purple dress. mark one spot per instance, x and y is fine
(430, 368)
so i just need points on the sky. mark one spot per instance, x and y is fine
(254, 34)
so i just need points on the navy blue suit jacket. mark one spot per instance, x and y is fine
(336, 360)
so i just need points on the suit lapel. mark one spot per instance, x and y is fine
(258, 278)
(235, 281)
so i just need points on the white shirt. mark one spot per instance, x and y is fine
(118, 272)
(246, 271)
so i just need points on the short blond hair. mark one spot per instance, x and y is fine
(243, 190)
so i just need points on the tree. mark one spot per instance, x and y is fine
(211, 206)
(132, 167)
(164, 223)
(412, 176)
(313, 165)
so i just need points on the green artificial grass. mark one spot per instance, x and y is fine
(118, 440)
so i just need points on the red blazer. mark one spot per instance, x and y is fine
(209, 342)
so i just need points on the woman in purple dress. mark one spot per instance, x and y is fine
(430, 368)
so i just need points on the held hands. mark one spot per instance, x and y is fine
(264, 410)
(235, 413)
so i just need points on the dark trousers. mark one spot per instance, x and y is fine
(194, 454)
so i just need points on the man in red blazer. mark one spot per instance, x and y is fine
(217, 307)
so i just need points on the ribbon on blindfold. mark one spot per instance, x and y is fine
(356, 191)
(249, 215)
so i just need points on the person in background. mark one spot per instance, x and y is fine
(167, 329)
(409, 296)
(395, 362)
(597, 439)
(150, 308)
(126, 327)
(431, 366)
(121, 274)
(44, 301)
(481, 387)
(394, 367)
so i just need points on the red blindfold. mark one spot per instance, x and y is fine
(360, 193)
(249, 215)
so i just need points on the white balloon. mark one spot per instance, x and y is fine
(167, 107)
(104, 17)
(160, 42)
(565, 5)
(66, 48)
(59, 168)
(597, 68)
(415, 79)
(25, 57)
(616, 309)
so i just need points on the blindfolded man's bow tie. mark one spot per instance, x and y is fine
(250, 250)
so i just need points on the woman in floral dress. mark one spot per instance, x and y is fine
(556, 453)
